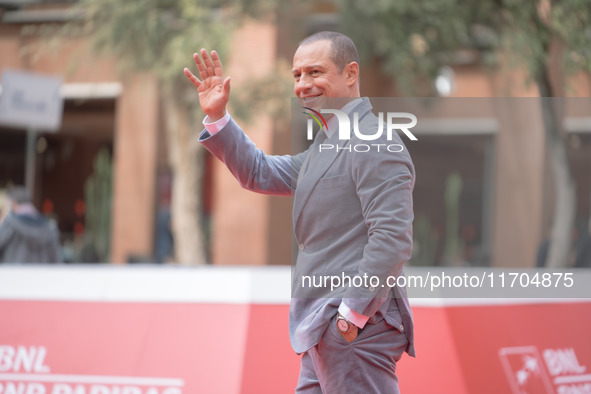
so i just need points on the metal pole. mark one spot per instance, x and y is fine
(30, 160)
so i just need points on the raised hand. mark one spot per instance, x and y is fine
(214, 90)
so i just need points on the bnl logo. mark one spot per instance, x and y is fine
(345, 124)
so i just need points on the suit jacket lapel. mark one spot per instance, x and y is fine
(319, 139)
(312, 172)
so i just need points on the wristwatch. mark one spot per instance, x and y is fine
(348, 330)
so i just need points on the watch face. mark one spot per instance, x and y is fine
(342, 325)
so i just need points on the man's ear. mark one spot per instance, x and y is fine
(352, 72)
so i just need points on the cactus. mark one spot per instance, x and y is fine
(453, 245)
(425, 244)
(97, 195)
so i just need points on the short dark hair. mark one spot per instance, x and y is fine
(343, 49)
(18, 194)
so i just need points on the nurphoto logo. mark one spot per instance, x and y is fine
(392, 120)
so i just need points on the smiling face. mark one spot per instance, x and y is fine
(317, 77)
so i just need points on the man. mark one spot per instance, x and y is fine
(26, 236)
(352, 216)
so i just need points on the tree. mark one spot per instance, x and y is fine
(413, 39)
(159, 37)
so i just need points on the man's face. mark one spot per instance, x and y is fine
(316, 77)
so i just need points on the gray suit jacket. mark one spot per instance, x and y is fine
(352, 215)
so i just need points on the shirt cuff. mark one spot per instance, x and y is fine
(214, 127)
(356, 318)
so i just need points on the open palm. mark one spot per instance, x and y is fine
(214, 90)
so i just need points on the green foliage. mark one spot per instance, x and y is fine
(269, 95)
(414, 38)
(425, 242)
(159, 36)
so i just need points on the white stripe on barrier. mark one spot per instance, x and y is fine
(108, 283)
(90, 379)
(169, 284)
(572, 379)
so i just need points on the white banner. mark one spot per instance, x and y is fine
(30, 100)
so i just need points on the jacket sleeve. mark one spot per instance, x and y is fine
(254, 170)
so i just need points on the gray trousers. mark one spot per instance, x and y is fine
(365, 366)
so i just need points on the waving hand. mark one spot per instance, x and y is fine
(214, 90)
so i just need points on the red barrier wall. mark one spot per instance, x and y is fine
(96, 344)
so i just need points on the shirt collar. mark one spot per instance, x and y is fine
(333, 121)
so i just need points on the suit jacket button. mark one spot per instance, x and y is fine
(302, 247)
(372, 288)
(401, 328)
